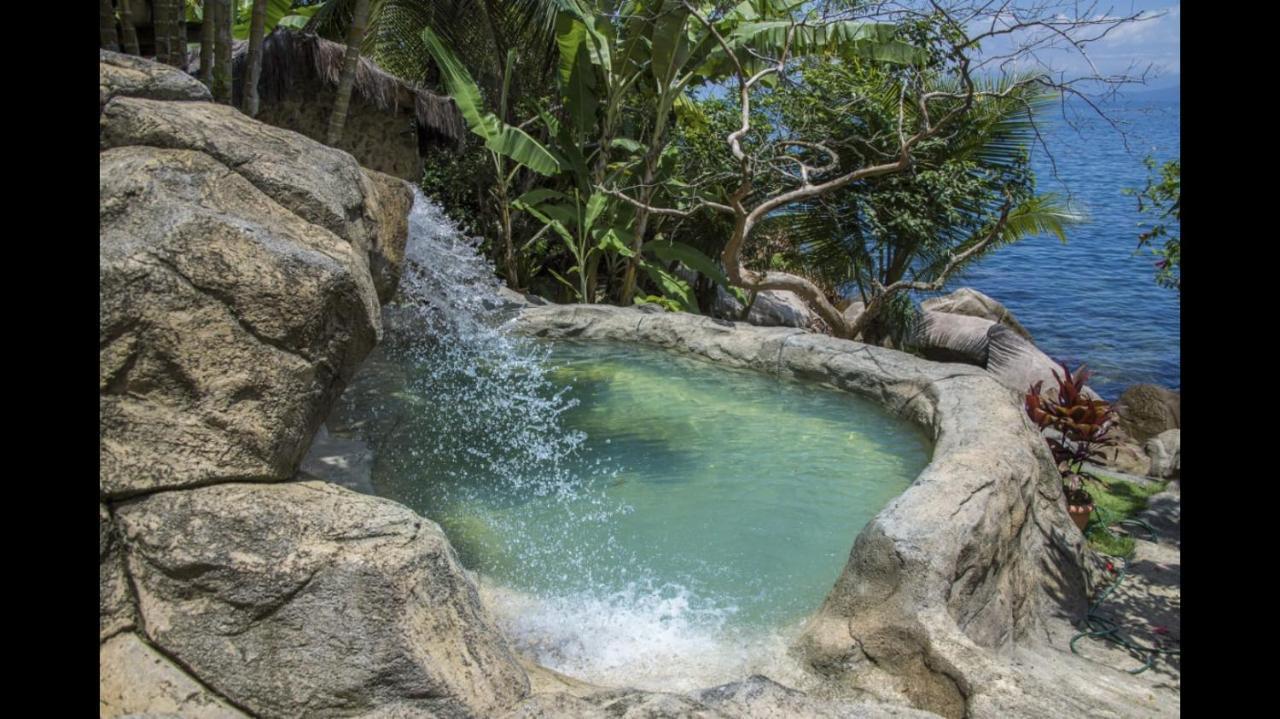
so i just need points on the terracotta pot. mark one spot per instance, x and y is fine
(1080, 514)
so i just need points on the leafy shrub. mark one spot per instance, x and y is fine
(1082, 427)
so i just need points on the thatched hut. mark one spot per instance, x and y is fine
(391, 127)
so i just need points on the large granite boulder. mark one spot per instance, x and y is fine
(227, 324)
(316, 182)
(772, 308)
(307, 599)
(970, 302)
(1146, 410)
(944, 337)
(1017, 363)
(1126, 456)
(121, 75)
(241, 268)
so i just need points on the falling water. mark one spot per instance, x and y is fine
(595, 557)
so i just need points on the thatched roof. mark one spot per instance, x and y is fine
(289, 57)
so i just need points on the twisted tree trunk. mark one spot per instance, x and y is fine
(253, 67)
(341, 101)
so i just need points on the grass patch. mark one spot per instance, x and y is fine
(1113, 500)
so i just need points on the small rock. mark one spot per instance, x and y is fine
(1146, 410)
(1127, 457)
(1165, 450)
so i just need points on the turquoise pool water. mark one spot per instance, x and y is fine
(689, 512)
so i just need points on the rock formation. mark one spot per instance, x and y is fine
(242, 269)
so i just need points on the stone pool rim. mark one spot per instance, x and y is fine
(975, 554)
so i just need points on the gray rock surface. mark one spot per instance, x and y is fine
(1165, 451)
(1128, 457)
(1146, 410)
(759, 697)
(1017, 364)
(307, 599)
(136, 680)
(115, 601)
(968, 301)
(241, 268)
(972, 563)
(121, 75)
(318, 183)
(772, 308)
(387, 207)
(227, 324)
(944, 337)
(756, 697)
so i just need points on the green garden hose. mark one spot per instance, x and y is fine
(1108, 629)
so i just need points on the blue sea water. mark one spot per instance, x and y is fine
(1092, 300)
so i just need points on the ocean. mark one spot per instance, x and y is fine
(1092, 300)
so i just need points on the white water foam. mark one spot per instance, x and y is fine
(642, 637)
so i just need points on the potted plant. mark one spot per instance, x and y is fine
(1081, 428)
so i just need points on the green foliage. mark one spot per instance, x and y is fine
(567, 97)
(908, 225)
(665, 303)
(499, 137)
(1161, 198)
(286, 13)
(1114, 500)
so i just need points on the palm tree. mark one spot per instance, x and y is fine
(127, 30)
(485, 35)
(222, 20)
(254, 69)
(107, 26)
(164, 14)
(207, 41)
(341, 100)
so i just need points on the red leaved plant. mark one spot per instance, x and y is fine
(1083, 427)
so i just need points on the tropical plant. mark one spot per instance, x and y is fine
(502, 141)
(1081, 427)
(1162, 199)
(932, 85)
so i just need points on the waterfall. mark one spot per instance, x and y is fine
(471, 420)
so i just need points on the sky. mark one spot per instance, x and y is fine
(1129, 48)
(1150, 41)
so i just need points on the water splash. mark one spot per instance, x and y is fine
(468, 425)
